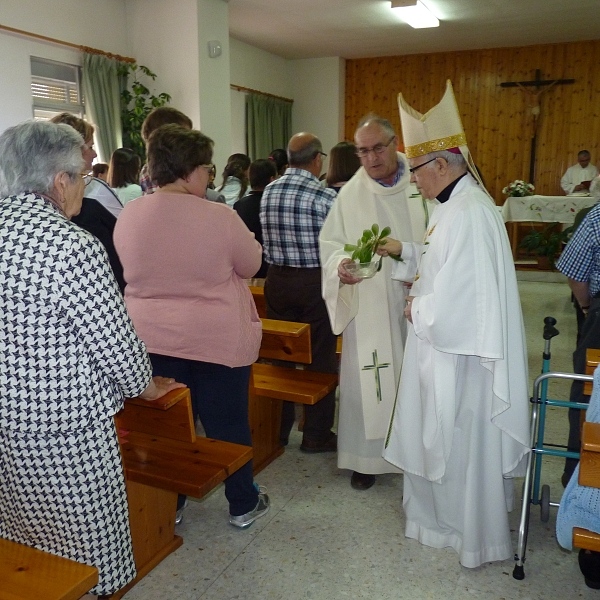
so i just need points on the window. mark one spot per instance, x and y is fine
(55, 88)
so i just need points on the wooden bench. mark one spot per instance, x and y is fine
(270, 385)
(30, 574)
(592, 360)
(162, 457)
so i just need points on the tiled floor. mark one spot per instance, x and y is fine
(324, 541)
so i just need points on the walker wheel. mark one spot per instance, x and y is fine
(545, 503)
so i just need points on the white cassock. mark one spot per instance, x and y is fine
(370, 314)
(575, 175)
(460, 429)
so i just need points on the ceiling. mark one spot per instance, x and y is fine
(362, 28)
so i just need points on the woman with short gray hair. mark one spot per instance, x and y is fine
(68, 356)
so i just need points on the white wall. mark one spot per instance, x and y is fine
(214, 92)
(164, 37)
(318, 92)
(87, 22)
(74, 21)
(258, 69)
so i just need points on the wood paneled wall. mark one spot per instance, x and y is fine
(498, 121)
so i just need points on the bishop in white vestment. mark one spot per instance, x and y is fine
(460, 429)
(370, 312)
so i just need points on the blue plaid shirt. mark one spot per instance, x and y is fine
(580, 259)
(397, 176)
(292, 212)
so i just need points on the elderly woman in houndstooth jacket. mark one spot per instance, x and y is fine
(68, 356)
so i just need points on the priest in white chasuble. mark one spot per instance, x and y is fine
(460, 429)
(369, 312)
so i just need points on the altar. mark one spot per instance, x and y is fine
(541, 209)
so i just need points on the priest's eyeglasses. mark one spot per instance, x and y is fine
(376, 149)
(422, 164)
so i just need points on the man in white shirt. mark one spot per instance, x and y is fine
(578, 177)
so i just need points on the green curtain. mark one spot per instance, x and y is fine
(101, 89)
(268, 124)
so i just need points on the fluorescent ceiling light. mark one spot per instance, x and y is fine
(417, 15)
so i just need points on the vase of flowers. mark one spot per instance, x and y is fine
(519, 189)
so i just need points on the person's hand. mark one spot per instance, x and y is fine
(345, 276)
(408, 308)
(389, 246)
(159, 386)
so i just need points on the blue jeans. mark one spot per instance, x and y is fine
(220, 399)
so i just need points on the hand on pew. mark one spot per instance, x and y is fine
(158, 387)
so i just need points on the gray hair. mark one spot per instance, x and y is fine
(372, 118)
(34, 152)
(583, 153)
(456, 162)
(305, 155)
(595, 188)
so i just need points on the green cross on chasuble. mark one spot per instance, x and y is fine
(375, 367)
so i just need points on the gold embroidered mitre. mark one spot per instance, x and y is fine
(438, 129)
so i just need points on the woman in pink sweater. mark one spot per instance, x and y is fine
(184, 262)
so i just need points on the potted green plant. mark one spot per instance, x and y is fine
(546, 243)
(136, 102)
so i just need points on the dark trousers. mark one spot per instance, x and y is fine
(588, 336)
(294, 294)
(220, 399)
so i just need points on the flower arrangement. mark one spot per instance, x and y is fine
(519, 189)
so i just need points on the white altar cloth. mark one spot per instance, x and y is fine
(545, 209)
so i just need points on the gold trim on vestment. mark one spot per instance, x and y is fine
(452, 141)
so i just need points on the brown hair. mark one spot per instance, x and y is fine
(174, 152)
(163, 115)
(237, 166)
(343, 163)
(262, 172)
(82, 127)
(124, 168)
(99, 168)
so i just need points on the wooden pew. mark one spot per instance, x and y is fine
(270, 385)
(258, 293)
(30, 574)
(592, 360)
(162, 457)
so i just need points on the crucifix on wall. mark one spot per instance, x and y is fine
(541, 86)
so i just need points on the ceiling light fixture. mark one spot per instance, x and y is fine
(416, 14)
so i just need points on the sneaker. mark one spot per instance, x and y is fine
(179, 513)
(260, 510)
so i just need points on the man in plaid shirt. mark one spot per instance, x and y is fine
(292, 212)
(580, 262)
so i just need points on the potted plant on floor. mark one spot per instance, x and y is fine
(546, 244)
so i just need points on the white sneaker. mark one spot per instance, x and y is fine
(179, 513)
(260, 510)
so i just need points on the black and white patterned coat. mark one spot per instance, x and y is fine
(68, 356)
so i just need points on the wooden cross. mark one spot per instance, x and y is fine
(541, 86)
(376, 366)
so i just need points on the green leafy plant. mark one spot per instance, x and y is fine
(366, 247)
(136, 102)
(546, 242)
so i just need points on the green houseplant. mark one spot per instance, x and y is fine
(136, 102)
(546, 243)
